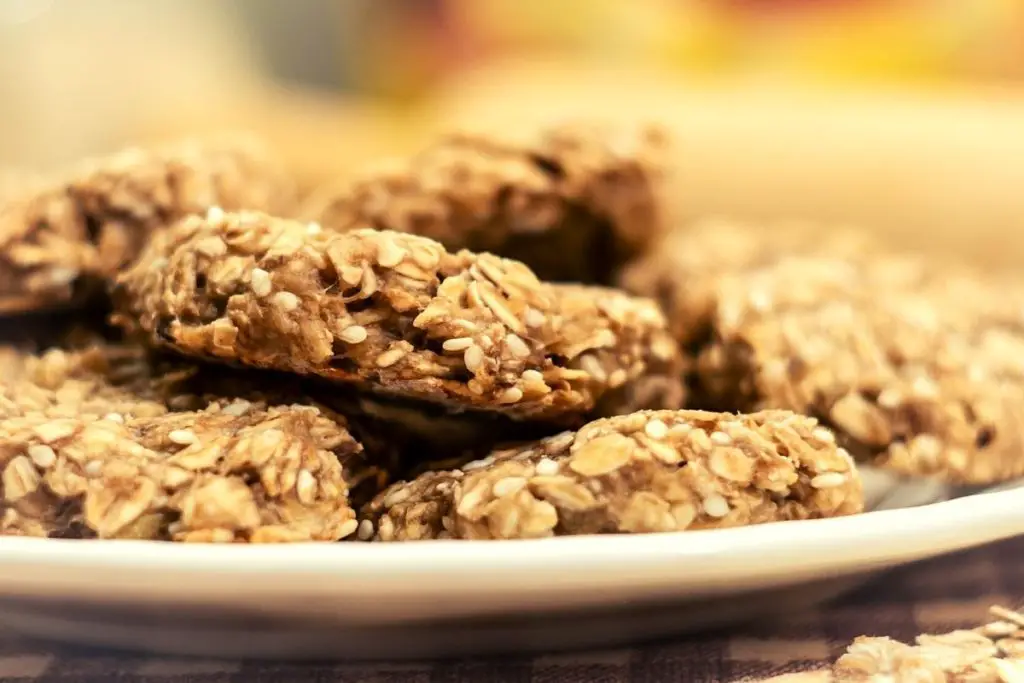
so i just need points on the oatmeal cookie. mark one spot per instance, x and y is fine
(646, 472)
(916, 367)
(93, 220)
(230, 473)
(573, 202)
(87, 383)
(389, 312)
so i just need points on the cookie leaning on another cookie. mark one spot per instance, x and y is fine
(392, 313)
(916, 366)
(94, 219)
(646, 472)
(571, 202)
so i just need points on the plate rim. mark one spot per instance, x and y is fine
(568, 551)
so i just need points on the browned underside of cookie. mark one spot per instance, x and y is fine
(393, 313)
(573, 203)
(916, 365)
(646, 472)
(59, 237)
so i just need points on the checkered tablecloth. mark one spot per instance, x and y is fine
(934, 596)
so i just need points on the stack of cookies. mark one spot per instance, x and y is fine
(493, 339)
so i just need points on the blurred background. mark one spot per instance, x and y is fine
(904, 116)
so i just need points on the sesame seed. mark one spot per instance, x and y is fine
(365, 531)
(236, 408)
(516, 346)
(924, 388)
(286, 301)
(822, 434)
(511, 395)
(656, 429)
(533, 317)
(182, 437)
(114, 417)
(215, 214)
(313, 228)
(721, 438)
(889, 398)
(828, 480)
(41, 455)
(305, 487)
(761, 301)
(270, 438)
(353, 334)
(347, 528)
(62, 276)
(533, 376)
(546, 467)
(390, 357)
(474, 359)
(590, 365)
(716, 506)
(259, 279)
(93, 468)
(617, 378)
(457, 344)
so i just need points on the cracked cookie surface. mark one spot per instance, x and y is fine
(393, 313)
(92, 220)
(916, 365)
(650, 471)
(572, 202)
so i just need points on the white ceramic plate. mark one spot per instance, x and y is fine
(443, 598)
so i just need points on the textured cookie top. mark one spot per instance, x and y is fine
(228, 473)
(571, 202)
(96, 443)
(87, 383)
(684, 268)
(646, 472)
(93, 219)
(917, 365)
(391, 312)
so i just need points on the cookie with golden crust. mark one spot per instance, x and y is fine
(572, 202)
(60, 234)
(915, 364)
(107, 442)
(392, 313)
(646, 472)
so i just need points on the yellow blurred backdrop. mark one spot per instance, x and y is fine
(905, 116)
